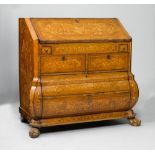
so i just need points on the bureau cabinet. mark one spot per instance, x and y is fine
(75, 71)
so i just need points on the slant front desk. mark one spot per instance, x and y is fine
(75, 71)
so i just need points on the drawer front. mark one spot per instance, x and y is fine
(111, 102)
(85, 88)
(62, 64)
(85, 104)
(84, 48)
(108, 62)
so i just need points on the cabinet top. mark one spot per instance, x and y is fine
(65, 30)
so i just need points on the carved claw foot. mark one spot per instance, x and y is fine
(24, 120)
(134, 121)
(34, 132)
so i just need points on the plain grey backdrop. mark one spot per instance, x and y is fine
(139, 20)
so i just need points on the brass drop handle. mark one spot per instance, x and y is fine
(108, 56)
(63, 58)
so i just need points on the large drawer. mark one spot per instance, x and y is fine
(62, 64)
(108, 62)
(85, 104)
(85, 88)
(80, 84)
(68, 95)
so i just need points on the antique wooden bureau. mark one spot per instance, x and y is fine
(74, 71)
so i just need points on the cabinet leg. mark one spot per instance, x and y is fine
(134, 121)
(24, 120)
(34, 132)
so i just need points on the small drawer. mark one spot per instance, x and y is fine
(46, 51)
(108, 62)
(123, 47)
(62, 64)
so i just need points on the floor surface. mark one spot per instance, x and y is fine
(101, 135)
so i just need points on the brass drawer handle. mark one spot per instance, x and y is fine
(108, 57)
(63, 58)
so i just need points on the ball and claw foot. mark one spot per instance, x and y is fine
(134, 121)
(34, 132)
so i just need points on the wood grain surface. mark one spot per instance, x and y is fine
(75, 70)
(79, 30)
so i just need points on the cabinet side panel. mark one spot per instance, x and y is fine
(26, 66)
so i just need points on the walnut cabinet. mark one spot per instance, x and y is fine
(75, 71)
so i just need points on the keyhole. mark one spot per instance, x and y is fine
(76, 20)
